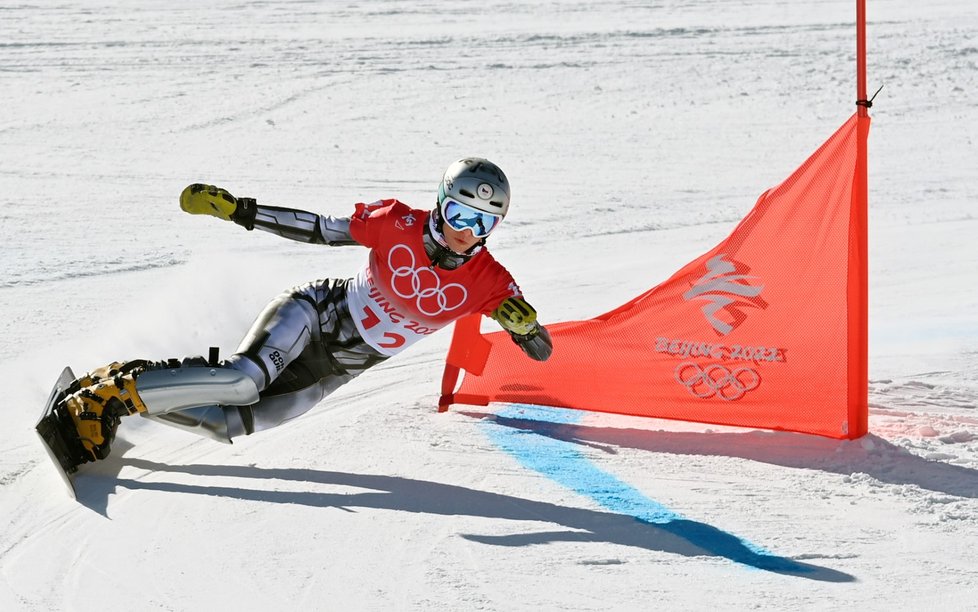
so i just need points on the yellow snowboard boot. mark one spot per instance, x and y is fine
(97, 407)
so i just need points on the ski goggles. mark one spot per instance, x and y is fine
(463, 217)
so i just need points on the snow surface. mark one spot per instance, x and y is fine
(636, 135)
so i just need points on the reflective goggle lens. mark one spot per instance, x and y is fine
(463, 217)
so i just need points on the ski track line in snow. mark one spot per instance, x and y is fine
(107, 269)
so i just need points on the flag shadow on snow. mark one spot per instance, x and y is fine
(869, 455)
(682, 537)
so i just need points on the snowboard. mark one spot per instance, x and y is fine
(52, 428)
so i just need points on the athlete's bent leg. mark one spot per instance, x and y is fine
(162, 390)
(336, 355)
(302, 347)
(278, 337)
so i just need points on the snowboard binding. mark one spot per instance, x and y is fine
(60, 437)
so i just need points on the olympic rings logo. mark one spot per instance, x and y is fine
(411, 282)
(717, 380)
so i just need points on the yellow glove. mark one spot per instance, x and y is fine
(520, 320)
(516, 316)
(198, 199)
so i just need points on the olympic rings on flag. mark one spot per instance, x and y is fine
(432, 298)
(717, 380)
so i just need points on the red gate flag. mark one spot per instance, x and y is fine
(766, 330)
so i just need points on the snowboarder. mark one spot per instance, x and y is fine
(425, 270)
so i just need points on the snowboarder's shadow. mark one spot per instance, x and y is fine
(870, 455)
(95, 482)
(683, 537)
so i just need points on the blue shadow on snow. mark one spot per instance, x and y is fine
(523, 432)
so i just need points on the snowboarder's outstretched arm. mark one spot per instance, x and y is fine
(520, 319)
(199, 199)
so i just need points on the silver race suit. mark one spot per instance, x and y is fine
(302, 347)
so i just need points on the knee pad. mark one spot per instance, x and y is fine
(280, 334)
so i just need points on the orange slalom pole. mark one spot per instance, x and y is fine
(861, 58)
(859, 277)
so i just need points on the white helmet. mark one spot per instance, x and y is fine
(478, 183)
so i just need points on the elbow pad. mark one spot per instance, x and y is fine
(335, 231)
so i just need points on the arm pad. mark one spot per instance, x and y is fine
(200, 199)
(294, 224)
